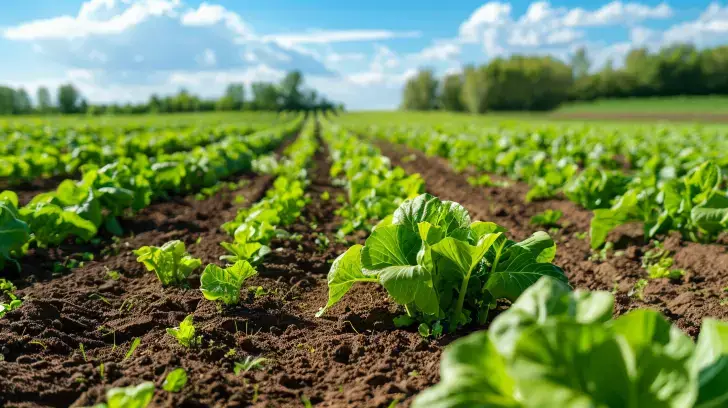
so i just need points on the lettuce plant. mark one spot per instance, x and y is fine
(224, 284)
(252, 252)
(129, 397)
(555, 347)
(14, 232)
(170, 262)
(185, 333)
(442, 267)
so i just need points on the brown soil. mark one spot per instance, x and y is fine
(685, 302)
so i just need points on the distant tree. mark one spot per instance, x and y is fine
(155, 105)
(475, 89)
(235, 93)
(7, 100)
(580, 63)
(83, 106)
(23, 105)
(451, 93)
(290, 90)
(68, 97)
(265, 96)
(44, 100)
(420, 91)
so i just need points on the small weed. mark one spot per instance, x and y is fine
(638, 290)
(134, 344)
(250, 363)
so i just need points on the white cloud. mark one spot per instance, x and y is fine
(708, 29)
(89, 22)
(616, 12)
(439, 51)
(338, 36)
(488, 15)
(212, 14)
(207, 58)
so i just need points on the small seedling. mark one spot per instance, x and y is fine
(185, 333)
(250, 363)
(638, 290)
(175, 380)
(134, 344)
(83, 352)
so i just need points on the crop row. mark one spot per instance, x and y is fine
(80, 208)
(674, 181)
(43, 152)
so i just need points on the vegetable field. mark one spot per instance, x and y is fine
(362, 260)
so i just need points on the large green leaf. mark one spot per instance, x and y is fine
(711, 364)
(545, 300)
(447, 215)
(458, 258)
(410, 284)
(14, 232)
(518, 269)
(541, 246)
(130, 397)
(344, 273)
(625, 210)
(392, 245)
(224, 284)
(472, 375)
(711, 216)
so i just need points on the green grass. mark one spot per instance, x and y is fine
(672, 105)
(160, 120)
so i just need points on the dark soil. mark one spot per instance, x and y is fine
(685, 302)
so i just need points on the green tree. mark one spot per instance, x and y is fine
(236, 94)
(475, 89)
(265, 96)
(68, 98)
(420, 92)
(451, 93)
(44, 100)
(580, 63)
(23, 105)
(7, 100)
(290, 90)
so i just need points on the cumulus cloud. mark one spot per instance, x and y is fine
(338, 36)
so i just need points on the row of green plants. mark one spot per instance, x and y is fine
(45, 151)
(374, 187)
(79, 209)
(674, 178)
(253, 229)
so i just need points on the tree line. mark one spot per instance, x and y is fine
(543, 83)
(289, 94)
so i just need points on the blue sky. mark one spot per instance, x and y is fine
(360, 53)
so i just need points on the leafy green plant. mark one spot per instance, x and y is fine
(249, 363)
(175, 380)
(134, 344)
(129, 397)
(170, 262)
(252, 252)
(224, 284)
(638, 290)
(658, 263)
(185, 333)
(14, 232)
(8, 289)
(548, 218)
(441, 267)
(556, 348)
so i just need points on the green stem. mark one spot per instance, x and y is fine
(461, 300)
(407, 309)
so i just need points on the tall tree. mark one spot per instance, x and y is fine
(475, 89)
(265, 96)
(451, 93)
(580, 63)
(291, 90)
(23, 105)
(420, 91)
(44, 100)
(236, 95)
(7, 100)
(68, 98)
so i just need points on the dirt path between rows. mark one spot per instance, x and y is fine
(685, 302)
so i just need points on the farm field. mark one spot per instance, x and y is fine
(362, 260)
(676, 108)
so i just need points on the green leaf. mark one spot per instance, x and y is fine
(344, 273)
(711, 364)
(175, 380)
(224, 284)
(545, 300)
(711, 216)
(185, 333)
(410, 284)
(170, 262)
(623, 211)
(393, 245)
(462, 257)
(541, 246)
(14, 233)
(518, 269)
(472, 375)
(447, 215)
(130, 397)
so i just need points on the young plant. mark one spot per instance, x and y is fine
(185, 333)
(548, 218)
(175, 380)
(8, 289)
(129, 397)
(556, 348)
(170, 262)
(441, 267)
(658, 263)
(224, 284)
(250, 363)
(14, 232)
(242, 250)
